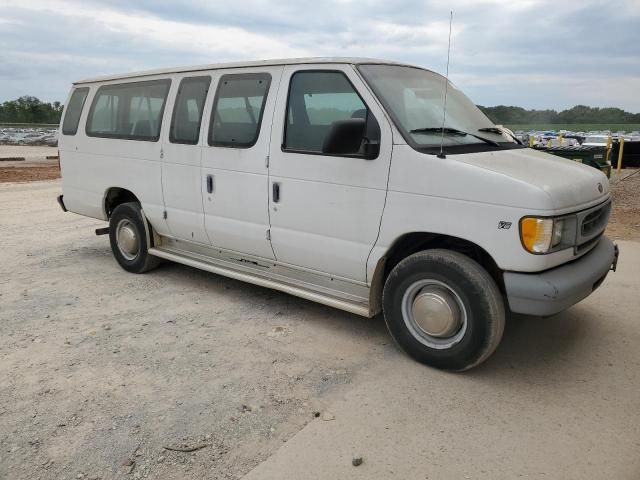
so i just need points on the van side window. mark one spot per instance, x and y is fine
(74, 110)
(130, 111)
(187, 111)
(237, 110)
(316, 100)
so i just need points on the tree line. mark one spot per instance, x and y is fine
(29, 109)
(580, 114)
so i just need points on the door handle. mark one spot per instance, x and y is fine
(276, 192)
(209, 183)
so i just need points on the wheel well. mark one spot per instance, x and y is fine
(411, 243)
(116, 196)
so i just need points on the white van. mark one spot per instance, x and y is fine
(333, 180)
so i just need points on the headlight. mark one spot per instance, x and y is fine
(558, 228)
(542, 235)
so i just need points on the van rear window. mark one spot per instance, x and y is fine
(130, 111)
(74, 110)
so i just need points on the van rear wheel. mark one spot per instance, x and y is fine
(128, 238)
(443, 309)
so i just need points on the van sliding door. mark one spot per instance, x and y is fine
(234, 162)
(182, 151)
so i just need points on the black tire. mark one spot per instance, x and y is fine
(476, 297)
(130, 215)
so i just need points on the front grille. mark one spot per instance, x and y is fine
(595, 221)
(587, 245)
(592, 224)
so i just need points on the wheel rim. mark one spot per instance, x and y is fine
(127, 239)
(434, 313)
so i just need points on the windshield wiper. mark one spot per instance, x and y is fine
(454, 132)
(499, 131)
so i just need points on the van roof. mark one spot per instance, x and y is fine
(259, 63)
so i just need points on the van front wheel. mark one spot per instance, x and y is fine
(128, 238)
(443, 309)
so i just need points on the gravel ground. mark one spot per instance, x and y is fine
(100, 370)
(34, 167)
(29, 174)
(31, 154)
(624, 223)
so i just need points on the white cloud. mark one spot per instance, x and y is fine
(538, 53)
(168, 34)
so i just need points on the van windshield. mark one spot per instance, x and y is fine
(414, 98)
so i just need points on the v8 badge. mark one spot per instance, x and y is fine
(504, 225)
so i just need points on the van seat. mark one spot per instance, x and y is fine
(142, 129)
(186, 130)
(235, 132)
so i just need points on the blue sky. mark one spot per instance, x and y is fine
(531, 53)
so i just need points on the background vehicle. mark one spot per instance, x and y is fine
(595, 141)
(333, 179)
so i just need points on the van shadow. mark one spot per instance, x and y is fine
(265, 301)
(275, 303)
(532, 345)
(544, 348)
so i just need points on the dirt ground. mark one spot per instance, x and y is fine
(624, 223)
(107, 375)
(29, 174)
(34, 167)
(101, 370)
(30, 153)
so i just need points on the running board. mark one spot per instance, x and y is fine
(261, 278)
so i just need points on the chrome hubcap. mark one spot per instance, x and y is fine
(434, 313)
(127, 239)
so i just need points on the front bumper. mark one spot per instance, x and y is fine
(555, 290)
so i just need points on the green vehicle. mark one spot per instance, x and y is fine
(593, 155)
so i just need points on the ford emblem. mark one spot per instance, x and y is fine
(600, 188)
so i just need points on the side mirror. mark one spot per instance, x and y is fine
(345, 137)
(371, 149)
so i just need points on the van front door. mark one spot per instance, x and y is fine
(181, 169)
(234, 162)
(325, 208)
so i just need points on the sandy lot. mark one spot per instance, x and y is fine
(35, 165)
(625, 216)
(100, 370)
(31, 155)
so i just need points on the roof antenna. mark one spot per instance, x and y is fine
(446, 88)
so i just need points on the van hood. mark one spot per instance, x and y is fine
(569, 184)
